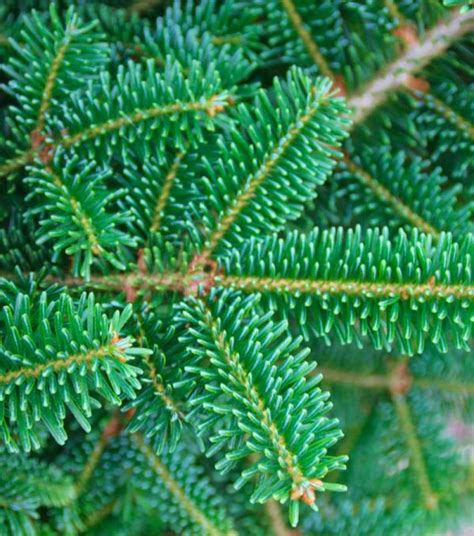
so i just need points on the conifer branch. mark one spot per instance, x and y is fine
(91, 464)
(386, 196)
(59, 365)
(385, 381)
(286, 458)
(51, 80)
(441, 108)
(98, 516)
(309, 43)
(81, 217)
(165, 192)
(211, 106)
(416, 453)
(248, 192)
(177, 491)
(404, 291)
(160, 389)
(412, 60)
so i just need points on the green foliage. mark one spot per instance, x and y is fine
(54, 355)
(84, 229)
(191, 190)
(402, 292)
(254, 377)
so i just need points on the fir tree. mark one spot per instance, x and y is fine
(213, 215)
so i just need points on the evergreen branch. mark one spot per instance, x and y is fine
(95, 518)
(441, 108)
(388, 197)
(256, 403)
(13, 165)
(398, 74)
(160, 389)
(416, 454)
(51, 81)
(309, 43)
(386, 381)
(165, 193)
(84, 220)
(359, 284)
(402, 192)
(404, 291)
(211, 106)
(244, 371)
(73, 202)
(143, 103)
(50, 361)
(59, 365)
(256, 178)
(92, 462)
(157, 411)
(177, 491)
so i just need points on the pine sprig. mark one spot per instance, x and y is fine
(73, 202)
(54, 356)
(256, 378)
(403, 292)
(256, 178)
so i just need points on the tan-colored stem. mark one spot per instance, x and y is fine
(397, 74)
(62, 364)
(308, 41)
(385, 381)
(405, 291)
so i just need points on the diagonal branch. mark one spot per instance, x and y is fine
(175, 489)
(309, 43)
(259, 177)
(416, 452)
(447, 112)
(387, 197)
(165, 192)
(398, 73)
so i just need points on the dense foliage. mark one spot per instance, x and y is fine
(236, 246)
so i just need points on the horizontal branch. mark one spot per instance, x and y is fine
(415, 58)
(62, 364)
(404, 291)
(386, 381)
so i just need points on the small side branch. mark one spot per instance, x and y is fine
(416, 453)
(175, 489)
(386, 196)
